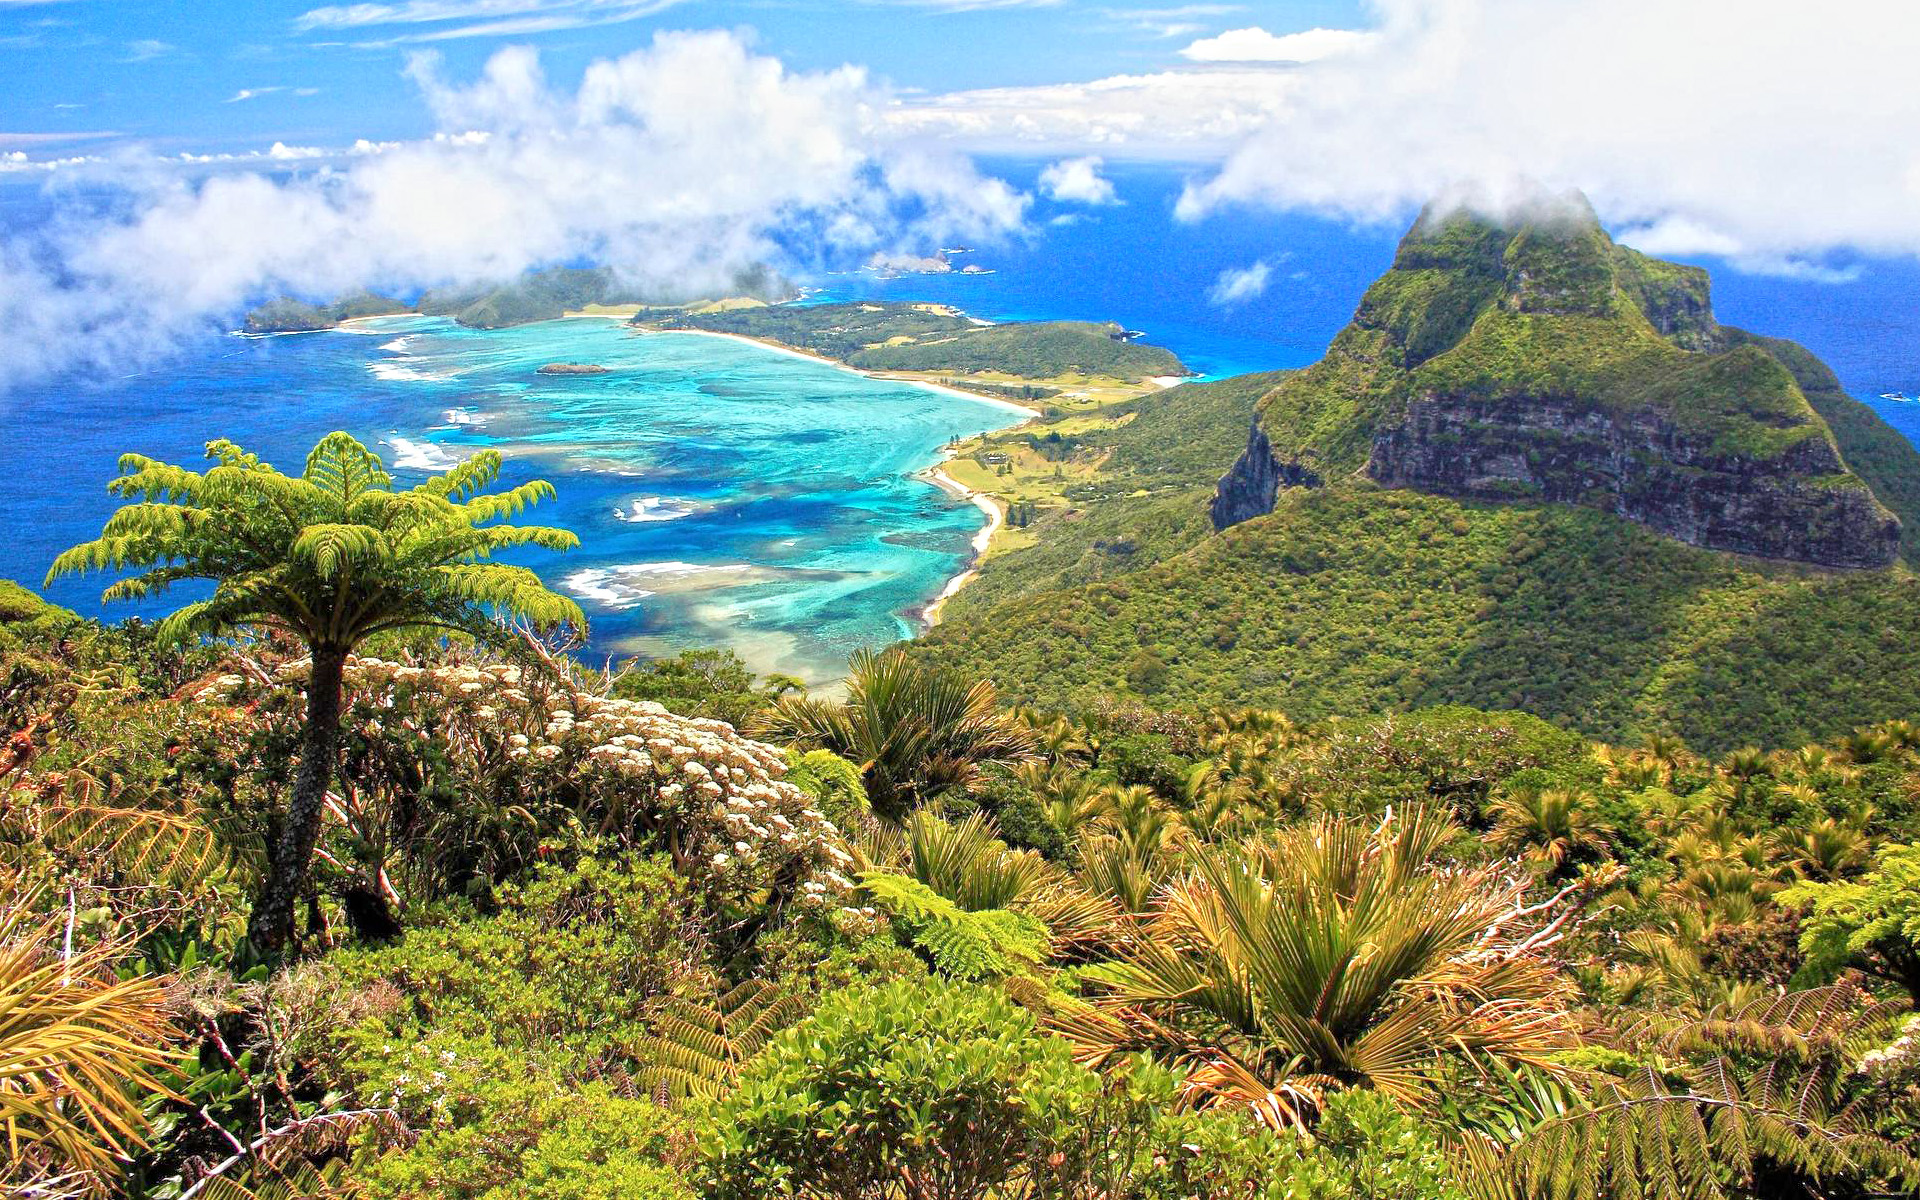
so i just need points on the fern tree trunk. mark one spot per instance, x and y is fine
(271, 925)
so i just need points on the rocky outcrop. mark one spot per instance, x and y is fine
(1249, 487)
(1800, 504)
(1530, 358)
(567, 368)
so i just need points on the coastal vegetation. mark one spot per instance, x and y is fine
(1375, 561)
(932, 338)
(544, 295)
(1154, 953)
(1396, 841)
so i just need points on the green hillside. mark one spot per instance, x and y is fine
(1532, 358)
(1349, 596)
(1363, 599)
(933, 338)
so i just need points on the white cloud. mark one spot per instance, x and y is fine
(1237, 285)
(251, 94)
(479, 18)
(147, 49)
(1257, 45)
(1781, 134)
(1191, 115)
(1077, 181)
(678, 165)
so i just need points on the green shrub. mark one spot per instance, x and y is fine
(936, 1080)
(585, 1144)
(1145, 760)
(562, 976)
(833, 782)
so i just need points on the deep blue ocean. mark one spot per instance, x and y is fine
(730, 495)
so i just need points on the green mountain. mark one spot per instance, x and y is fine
(535, 296)
(1538, 360)
(1533, 472)
(287, 315)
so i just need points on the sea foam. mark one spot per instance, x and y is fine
(419, 456)
(655, 508)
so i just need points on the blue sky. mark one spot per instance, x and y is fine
(167, 72)
(200, 154)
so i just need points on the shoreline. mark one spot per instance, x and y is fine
(930, 612)
(792, 352)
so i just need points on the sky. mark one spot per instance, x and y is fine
(229, 75)
(191, 158)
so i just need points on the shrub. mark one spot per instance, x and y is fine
(562, 977)
(585, 1144)
(949, 1084)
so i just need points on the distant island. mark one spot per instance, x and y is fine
(287, 315)
(923, 339)
(564, 368)
(537, 296)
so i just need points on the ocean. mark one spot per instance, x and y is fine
(729, 495)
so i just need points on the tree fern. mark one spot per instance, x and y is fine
(698, 1046)
(1747, 1099)
(960, 944)
(333, 556)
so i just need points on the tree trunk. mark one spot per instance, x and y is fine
(288, 859)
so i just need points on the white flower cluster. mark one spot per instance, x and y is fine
(218, 688)
(1898, 1057)
(721, 792)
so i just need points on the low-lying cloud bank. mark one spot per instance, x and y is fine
(679, 166)
(1763, 131)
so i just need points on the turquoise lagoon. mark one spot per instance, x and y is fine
(724, 493)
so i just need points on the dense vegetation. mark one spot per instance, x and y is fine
(931, 338)
(338, 884)
(1147, 954)
(287, 315)
(1350, 597)
(1362, 600)
(535, 296)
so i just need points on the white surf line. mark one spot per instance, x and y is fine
(930, 615)
(879, 376)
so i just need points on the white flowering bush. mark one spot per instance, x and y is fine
(461, 772)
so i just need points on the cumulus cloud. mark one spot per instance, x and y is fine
(1077, 181)
(1185, 114)
(679, 165)
(1778, 135)
(1257, 45)
(1237, 285)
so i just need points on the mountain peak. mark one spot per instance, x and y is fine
(1517, 353)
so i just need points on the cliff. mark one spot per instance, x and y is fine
(1535, 360)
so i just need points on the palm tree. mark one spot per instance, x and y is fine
(917, 732)
(332, 556)
(1336, 954)
(81, 1052)
(1551, 826)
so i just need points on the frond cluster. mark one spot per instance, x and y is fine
(990, 944)
(333, 554)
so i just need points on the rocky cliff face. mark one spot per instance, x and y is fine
(1799, 505)
(1542, 363)
(1249, 488)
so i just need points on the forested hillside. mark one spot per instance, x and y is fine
(1482, 553)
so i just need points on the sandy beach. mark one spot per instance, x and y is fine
(791, 352)
(981, 540)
